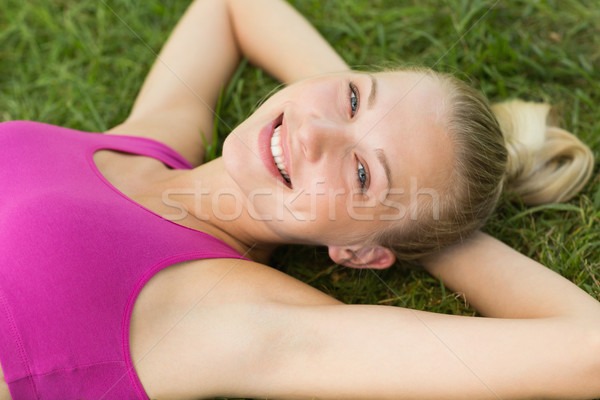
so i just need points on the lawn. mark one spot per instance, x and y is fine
(80, 63)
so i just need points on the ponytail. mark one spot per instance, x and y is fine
(546, 164)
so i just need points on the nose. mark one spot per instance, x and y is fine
(317, 136)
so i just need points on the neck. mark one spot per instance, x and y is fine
(210, 201)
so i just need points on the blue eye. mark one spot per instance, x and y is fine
(354, 99)
(363, 177)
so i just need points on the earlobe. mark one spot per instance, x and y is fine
(369, 256)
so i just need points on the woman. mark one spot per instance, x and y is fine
(105, 318)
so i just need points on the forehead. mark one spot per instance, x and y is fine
(411, 111)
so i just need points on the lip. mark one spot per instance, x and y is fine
(265, 149)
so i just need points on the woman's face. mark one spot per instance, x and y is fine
(332, 159)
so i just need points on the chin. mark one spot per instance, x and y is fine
(232, 159)
(239, 163)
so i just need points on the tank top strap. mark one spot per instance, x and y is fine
(144, 147)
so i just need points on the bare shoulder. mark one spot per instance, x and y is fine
(241, 329)
(193, 320)
(183, 128)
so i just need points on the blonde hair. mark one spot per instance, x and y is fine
(546, 164)
(509, 145)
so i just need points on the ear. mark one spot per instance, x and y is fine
(369, 256)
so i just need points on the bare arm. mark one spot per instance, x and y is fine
(542, 341)
(502, 283)
(274, 337)
(179, 95)
(274, 36)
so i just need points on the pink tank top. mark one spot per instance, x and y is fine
(74, 255)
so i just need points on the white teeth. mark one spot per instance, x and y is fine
(275, 139)
(277, 152)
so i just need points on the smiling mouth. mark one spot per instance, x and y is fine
(277, 153)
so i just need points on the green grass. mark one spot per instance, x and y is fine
(80, 63)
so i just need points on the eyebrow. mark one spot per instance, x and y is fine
(373, 93)
(386, 167)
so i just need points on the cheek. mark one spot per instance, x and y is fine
(337, 206)
(302, 211)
